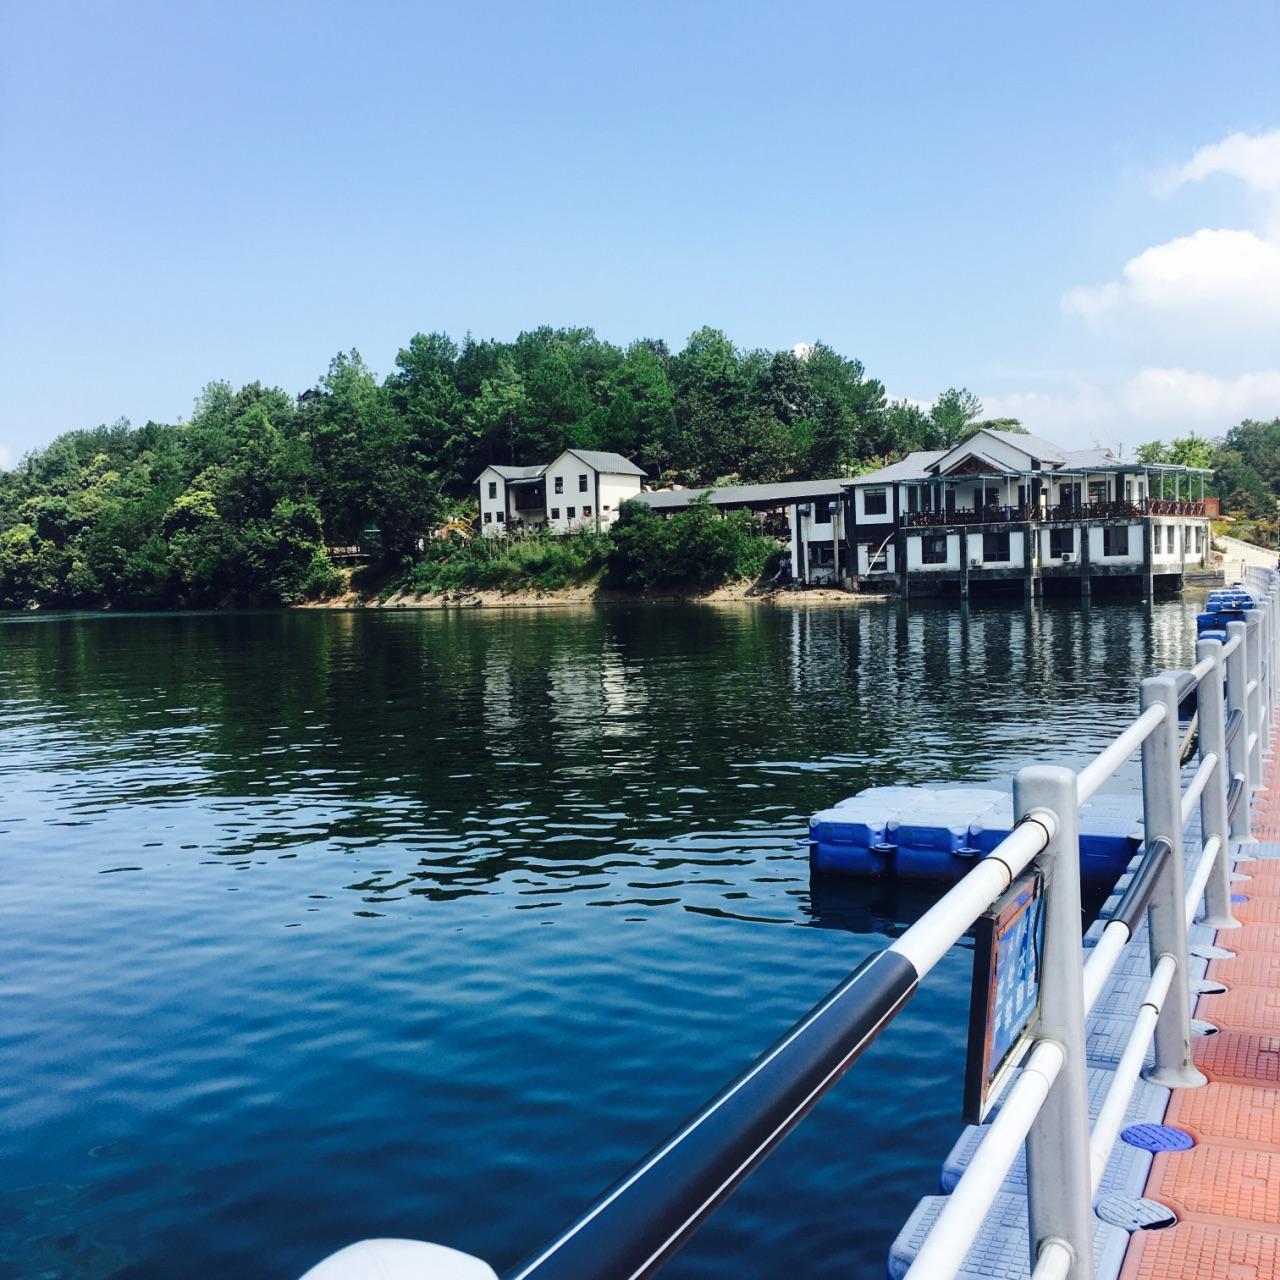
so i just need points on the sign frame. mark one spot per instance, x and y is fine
(1004, 1014)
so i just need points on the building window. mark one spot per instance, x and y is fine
(933, 550)
(586, 511)
(606, 508)
(875, 502)
(822, 555)
(1061, 542)
(559, 484)
(555, 513)
(499, 517)
(488, 517)
(493, 488)
(995, 547)
(1170, 533)
(913, 499)
(1115, 540)
(570, 512)
(582, 484)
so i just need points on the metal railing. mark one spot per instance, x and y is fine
(1064, 512)
(636, 1226)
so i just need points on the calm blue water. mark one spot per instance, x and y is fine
(317, 926)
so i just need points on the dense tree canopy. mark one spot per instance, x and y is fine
(240, 503)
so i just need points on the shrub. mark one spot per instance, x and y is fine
(696, 547)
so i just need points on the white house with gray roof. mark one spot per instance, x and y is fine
(581, 489)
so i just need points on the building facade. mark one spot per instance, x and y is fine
(581, 489)
(1003, 506)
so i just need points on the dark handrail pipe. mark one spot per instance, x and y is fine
(1234, 794)
(643, 1219)
(1235, 722)
(1137, 896)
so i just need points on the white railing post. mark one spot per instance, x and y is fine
(1253, 672)
(1060, 1202)
(1237, 752)
(1211, 712)
(1162, 817)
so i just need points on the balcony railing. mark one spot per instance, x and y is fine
(1174, 507)
(1121, 510)
(983, 515)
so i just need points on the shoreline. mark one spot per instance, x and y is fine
(531, 598)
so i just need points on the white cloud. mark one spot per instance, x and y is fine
(1235, 272)
(6, 458)
(1154, 402)
(1201, 399)
(1253, 158)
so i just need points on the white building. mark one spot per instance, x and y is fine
(1007, 507)
(581, 489)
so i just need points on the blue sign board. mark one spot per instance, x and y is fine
(1004, 1007)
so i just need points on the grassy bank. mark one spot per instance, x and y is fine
(695, 550)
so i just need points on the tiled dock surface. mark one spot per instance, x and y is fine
(1226, 1189)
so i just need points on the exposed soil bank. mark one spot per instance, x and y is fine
(590, 593)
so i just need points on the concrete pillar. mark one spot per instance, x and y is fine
(1086, 586)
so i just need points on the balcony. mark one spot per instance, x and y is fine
(1057, 515)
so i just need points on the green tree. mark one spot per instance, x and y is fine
(953, 414)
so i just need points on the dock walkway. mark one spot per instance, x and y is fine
(1225, 1189)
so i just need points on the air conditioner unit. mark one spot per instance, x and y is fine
(1068, 557)
(802, 509)
(975, 562)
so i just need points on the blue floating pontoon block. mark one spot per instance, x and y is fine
(1122, 995)
(1126, 1170)
(1106, 1039)
(1002, 1248)
(1214, 633)
(1125, 1174)
(851, 859)
(851, 824)
(1134, 962)
(1148, 1101)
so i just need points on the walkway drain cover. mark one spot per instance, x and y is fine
(1157, 1137)
(1135, 1213)
(1204, 951)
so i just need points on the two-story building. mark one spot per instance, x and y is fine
(581, 489)
(1002, 507)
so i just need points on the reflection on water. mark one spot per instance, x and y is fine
(323, 925)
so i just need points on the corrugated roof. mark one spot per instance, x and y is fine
(613, 464)
(782, 492)
(1096, 457)
(913, 467)
(1036, 446)
(515, 473)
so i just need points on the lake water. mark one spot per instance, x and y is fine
(320, 925)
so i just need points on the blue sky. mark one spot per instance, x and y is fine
(1073, 211)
